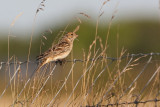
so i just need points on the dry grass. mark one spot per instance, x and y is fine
(96, 79)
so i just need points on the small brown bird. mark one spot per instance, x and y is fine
(59, 51)
(55, 53)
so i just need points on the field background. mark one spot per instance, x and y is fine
(105, 31)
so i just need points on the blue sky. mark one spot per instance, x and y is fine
(57, 12)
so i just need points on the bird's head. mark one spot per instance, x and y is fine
(71, 36)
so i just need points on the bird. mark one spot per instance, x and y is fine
(58, 52)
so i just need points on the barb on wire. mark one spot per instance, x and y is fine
(44, 84)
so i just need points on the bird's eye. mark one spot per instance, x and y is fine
(71, 33)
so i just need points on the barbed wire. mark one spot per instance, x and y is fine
(138, 96)
(129, 58)
(91, 59)
(127, 103)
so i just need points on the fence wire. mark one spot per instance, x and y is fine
(81, 60)
(107, 91)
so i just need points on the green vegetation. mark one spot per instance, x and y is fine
(136, 37)
(95, 77)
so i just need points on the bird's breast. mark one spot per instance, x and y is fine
(63, 55)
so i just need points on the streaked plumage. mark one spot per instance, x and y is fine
(58, 51)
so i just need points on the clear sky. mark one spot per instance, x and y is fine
(57, 12)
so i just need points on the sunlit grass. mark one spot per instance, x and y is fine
(93, 75)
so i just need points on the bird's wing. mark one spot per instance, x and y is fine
(54, 51)
(44, 55)
(60, 48)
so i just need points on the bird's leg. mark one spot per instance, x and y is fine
(61, 61)
(56, 62)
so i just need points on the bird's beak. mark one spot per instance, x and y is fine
(76, 36)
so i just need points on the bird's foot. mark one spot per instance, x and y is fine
(62, 61)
